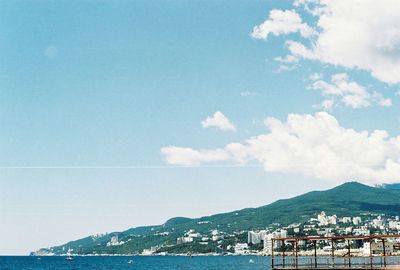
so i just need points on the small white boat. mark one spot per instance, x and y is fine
(69, 258)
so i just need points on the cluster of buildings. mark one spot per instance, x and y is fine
(323, 225)
(327, 226)
(324, 220)
(114, 241)
(189, 237)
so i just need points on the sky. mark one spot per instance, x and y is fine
(115, 114)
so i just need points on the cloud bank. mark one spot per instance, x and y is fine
(361, 34)
(347, 92)
(311, 145)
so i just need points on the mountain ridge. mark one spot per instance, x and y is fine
(350, 198)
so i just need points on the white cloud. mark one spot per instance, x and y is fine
(220, 121)
(326, 104)
(287, 59)
(287, 63)
(311, 145)
(362, 34)
(350, 93)
(386, 102)
(298, 50)
(282, 22)
(190, 157)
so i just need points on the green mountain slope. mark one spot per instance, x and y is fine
(351, 198)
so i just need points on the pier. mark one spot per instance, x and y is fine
(338, 252)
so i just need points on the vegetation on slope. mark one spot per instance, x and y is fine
(351, 198)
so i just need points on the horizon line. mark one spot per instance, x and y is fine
(130, 167)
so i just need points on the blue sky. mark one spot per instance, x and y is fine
(91, 92)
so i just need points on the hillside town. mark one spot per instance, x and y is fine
(259, 242)
(330, 226)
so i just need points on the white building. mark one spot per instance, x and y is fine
(215, 235)
(283, 233)
(193, 234)
(325, 232)
(394, 225)
(183, 240)
(356, 220)
(256, 237)
(214, 232)
(241, 248)
(378, 222)
(324, 220)
(216, 238)
(148, 252)
(253, 237)
(363, 230)
(348, 230)
(268, 242)
(114, 241)
(268, 239)
(377, 248)
(346, 219)
(332, 219)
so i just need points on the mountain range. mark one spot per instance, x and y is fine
(349, 199)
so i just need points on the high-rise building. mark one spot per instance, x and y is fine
(253, 237)
(356, 220)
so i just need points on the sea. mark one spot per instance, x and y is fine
(136, 263)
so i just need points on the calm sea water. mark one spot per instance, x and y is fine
(139, 263)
